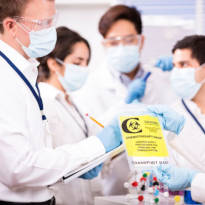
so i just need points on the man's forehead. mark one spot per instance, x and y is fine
(39, 9)
(182, 54)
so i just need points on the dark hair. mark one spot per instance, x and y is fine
(196, 43)
(66, 39)
(118, 12)
(11, 8)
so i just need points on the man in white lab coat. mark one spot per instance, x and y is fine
(122, 78)
(28, 162)
(188, 81)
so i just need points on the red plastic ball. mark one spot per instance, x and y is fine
(140, 198)
(155, 178)
(143, 179)
(134, 184)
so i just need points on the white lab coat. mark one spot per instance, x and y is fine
(67, 126)
(28, 162)
(101, 97)
(104, 90)
(187, 149)
(198, 188)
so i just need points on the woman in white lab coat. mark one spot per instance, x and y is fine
(60, 73)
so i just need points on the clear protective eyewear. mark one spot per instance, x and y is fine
(36, 25)
(132, 39)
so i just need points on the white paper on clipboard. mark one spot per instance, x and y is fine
(94, 163)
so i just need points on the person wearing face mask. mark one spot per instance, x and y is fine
(121, 79)
(62, 72)
(188, 81)
(29, 161)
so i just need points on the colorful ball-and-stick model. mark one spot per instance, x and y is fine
(138, 185)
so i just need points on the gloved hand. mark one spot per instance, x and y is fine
(174, 177)
(136, 89)
(165, 63)
(110, 136)
(169, 119)
(92, 173)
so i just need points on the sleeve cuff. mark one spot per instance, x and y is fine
(198, 188)
(92, 147)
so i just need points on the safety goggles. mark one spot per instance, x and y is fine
(132, 39)
(36, 25)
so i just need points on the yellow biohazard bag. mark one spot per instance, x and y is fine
(143, 140)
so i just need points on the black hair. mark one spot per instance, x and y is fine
(196, 43)
(118, 12)
(66, 39)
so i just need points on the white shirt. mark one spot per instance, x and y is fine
(187, 149)
(67, 126)
(28, 163)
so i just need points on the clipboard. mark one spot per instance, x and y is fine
(94, 163)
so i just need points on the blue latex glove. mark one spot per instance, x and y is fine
(165, 63)
(174, 177)
(92, 173)
(169, 119)
(110, 136)
(136, 89)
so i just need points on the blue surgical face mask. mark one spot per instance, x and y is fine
(183, 82)
(42, 42)
(124, 59)
(74, 78)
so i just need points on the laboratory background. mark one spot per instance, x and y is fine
(165, 22)
(102, 102)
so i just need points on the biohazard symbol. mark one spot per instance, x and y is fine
(131, 125)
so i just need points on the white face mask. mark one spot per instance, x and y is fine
(42, 42)
(124, 59)
(74, 78)
(183, 82)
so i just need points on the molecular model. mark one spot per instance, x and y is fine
(145, 183)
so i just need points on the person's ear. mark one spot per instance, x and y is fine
(9, 26)
(142, 42)
(200, 74)
(53, 66)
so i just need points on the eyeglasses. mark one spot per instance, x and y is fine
(132, 39)
(36, 25)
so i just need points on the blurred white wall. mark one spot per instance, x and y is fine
(84, 19)
(83, 16)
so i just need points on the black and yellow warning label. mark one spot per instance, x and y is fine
(143, 136)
